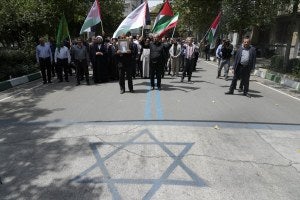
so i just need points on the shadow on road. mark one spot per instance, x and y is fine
(29, 151)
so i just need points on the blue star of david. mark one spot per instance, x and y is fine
(195, 181)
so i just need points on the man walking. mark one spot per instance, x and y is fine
(124, 66)
(44, 59)
(189, 56)
(156, 62)
(81, 58)
(175, 52)
(244, 62)
(62, 60)
(225, 59)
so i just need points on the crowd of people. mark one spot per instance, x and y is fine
(144, 57)
(129, 57)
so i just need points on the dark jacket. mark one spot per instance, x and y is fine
(156, 52)
(252, 57)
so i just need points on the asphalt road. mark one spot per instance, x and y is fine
(187, 141)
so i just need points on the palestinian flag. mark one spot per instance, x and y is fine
(92, 18)
(163, 28)
(164, 15)
(213, 28)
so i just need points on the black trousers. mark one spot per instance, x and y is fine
(62, 66)
(125, 68)
(188, 68)
(82, 68)
(156, 69)
(45, 66)
(243, 73)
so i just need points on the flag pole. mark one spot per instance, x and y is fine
(174, 31)
(102, 28)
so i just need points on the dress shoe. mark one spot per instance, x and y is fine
(131, 91)
(229, 92)
(45, 82)
(247, 95)
(218, 76)
(49, 81)
(67, 80)
(240, 90)
(88, 82)
(159, 88)
(152, 88)
(122, 91)
(77, 84)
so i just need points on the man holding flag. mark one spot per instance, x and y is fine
(62, 56)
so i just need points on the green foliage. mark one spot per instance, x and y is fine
(276, 63)
(294, 67)
(15, 63)
(23, 22)
(240, 16)
(196, 15)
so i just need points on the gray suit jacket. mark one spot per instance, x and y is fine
(252, 58)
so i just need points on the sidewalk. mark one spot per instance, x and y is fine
(281, 85)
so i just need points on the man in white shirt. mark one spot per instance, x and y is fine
(62, 60)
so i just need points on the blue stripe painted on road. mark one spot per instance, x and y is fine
(147, 114)
(159, 111)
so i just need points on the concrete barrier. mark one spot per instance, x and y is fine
(18, 81)
(278, 78)
(5, 85)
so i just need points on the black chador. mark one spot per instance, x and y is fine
(101, 65)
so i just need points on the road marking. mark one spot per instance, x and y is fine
(147, 115)
(159, 111)
(278, 91)
(266, 86)
(6, 98)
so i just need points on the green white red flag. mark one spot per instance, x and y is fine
(162, 28)
(213, 28)
(164, 15)
(92, 18)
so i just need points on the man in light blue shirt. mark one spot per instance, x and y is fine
(44, 59)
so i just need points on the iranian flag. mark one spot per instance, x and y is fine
(163, 28)
(164, 15)
(213, 28)
(92, 18)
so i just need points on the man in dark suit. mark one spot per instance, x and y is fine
(156, 61)
(244, 62)
(124, 59)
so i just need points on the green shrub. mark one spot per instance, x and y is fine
(15, 63)
(293, 64)
(276, 63)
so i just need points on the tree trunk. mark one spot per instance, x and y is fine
(291, 30)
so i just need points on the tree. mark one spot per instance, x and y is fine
(196, 15)
(241, 16)
(291, 29)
